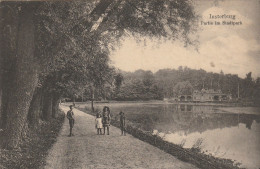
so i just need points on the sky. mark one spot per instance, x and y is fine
(232, 49)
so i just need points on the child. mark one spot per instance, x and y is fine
(122, 123)
(106, 119)
(99, 125)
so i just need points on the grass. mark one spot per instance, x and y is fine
(34, 148)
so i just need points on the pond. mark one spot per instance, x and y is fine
(214, 130)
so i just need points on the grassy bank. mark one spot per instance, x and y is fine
(192, 155)
(35, 147)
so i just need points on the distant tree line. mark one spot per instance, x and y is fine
(167, 83)
(140, 85)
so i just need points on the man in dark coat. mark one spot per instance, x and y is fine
(70, 116)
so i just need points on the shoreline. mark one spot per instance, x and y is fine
(193, 156)
(231, 104)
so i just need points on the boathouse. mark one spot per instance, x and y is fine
(205, 96)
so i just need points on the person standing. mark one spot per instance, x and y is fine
(122, 123)
(106, 119)
(70, 116)
(99, 124)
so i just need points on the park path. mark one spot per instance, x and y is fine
(88, 150)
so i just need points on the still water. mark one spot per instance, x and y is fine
(230, 135)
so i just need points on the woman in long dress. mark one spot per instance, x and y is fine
(106, 119)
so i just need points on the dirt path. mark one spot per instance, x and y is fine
(88, 150)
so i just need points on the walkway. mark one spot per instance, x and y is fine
(91, 151)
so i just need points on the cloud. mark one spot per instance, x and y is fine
(230, 54)
(227, 48)
(255, 55)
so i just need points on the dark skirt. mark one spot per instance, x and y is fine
(105, 125)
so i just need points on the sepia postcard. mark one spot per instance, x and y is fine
(135, 84)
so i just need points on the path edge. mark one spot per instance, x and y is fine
(193, 156)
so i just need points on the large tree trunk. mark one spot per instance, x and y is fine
(8, 37)
(55, 105)
(47, 106)
(25, 79)
(0, 105)
(6, 89)
(74, 100)
(1, 65)
(35, 108)
(92, 100)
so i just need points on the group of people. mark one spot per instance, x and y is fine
(102, 121)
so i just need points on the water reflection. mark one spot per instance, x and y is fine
(237, 143)
(224, 135)
(221, 134)
(190, 119)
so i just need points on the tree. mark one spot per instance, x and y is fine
(183, 88)
(46, 36)
(256, 94)
(139, 85)
(168, 78)
(118, 81)
(248, 85)
(24, 75)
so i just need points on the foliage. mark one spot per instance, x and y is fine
(35, 148)
(118, 81)
(75, 38)
(183, 88)
(139, 85)
(145, 85)
(64, 47)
